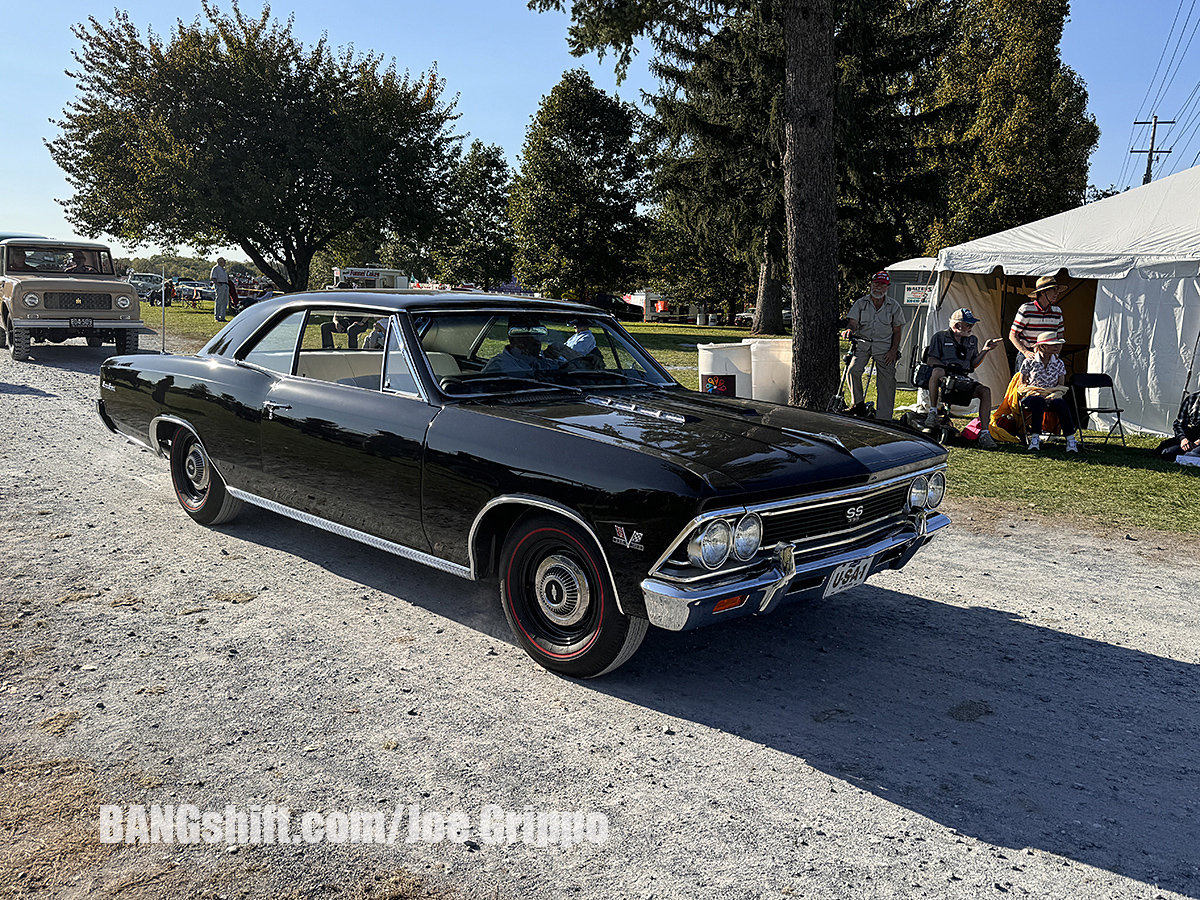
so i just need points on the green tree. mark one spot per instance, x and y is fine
(809, 160)
(233, 132)
(477, 245)
(718, 125)
(1018, 134)
(703, 267)
(574, 199)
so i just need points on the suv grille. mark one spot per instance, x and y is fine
(73, 300)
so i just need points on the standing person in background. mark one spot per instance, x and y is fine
(879, 321)
(220, 280)
(1037, 317)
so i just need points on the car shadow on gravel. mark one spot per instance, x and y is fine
(1009, 732)
(69, 357)
(1013, 733)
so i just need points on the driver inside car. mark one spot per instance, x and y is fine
(523, 355)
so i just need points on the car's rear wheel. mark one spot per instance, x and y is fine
(199, 487)
(560, 602)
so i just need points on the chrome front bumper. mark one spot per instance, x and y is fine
(97, 324)
(679, 607)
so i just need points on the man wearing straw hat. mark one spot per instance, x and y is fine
(1036, 317)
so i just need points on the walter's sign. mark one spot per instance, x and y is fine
(917, 294)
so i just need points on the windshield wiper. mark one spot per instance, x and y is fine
(472, 380)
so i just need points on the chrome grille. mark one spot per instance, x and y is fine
(832, 519)
(75, 300)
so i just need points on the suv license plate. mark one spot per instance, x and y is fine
(848, 575)
(81, 323)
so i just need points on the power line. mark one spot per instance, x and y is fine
(1149, 88)
(1150, 153)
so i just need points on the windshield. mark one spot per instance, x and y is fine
(58, 260)
(482, 352)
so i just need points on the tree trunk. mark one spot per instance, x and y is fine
(810, 198)
(768, 310)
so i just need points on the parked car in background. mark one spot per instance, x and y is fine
(203, 290)
(463, 432)
(626, 312)
(152, 288)
(57, 290)
(745, 318)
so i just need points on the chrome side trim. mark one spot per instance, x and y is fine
(174, 420)
(354, 534)
(539, 503)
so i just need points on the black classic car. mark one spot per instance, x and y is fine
(536, 443)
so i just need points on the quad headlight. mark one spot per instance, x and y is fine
(937, 490)
(927, 493)
(710, 547)
(747, 536)
(713, 544)
(31, 300)
(918, 492)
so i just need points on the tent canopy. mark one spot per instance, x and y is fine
(1148, 226)
(1137, 254)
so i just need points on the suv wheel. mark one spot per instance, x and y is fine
(18, 341)
(127, 342)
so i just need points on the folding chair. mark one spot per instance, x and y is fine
(1080, 383)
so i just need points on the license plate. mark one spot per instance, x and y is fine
(848, 575)
(81, 323)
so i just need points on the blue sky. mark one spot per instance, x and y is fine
(501, 59)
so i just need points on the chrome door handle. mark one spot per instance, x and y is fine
(270, 406)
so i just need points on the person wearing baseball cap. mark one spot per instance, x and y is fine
(877, 321)
(1043, 383)
(1037, 316)
(956, 351)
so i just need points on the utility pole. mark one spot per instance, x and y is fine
(1150, 153)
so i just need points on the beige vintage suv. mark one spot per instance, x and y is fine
(55, 290)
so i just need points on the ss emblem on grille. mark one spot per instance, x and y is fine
(854, 513)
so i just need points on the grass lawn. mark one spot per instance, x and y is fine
(183, 322)
(1105, 486)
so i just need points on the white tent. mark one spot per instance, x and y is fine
(1131, 264)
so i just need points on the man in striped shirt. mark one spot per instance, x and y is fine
(1036, 317)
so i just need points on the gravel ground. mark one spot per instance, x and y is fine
(968, 727)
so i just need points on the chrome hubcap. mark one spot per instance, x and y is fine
(195, 467)
(562, 590)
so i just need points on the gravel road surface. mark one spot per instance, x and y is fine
(976, 725)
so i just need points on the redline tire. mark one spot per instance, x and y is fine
(198, 486)
(560, 602)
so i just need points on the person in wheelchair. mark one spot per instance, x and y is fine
(952, 357)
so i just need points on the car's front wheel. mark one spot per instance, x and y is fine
(560, 602)
(199, 487)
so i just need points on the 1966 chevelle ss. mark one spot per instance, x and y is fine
(534, 442)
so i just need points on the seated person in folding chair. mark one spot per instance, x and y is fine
(1043, 383)
(956, 351)
(1186, 442)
